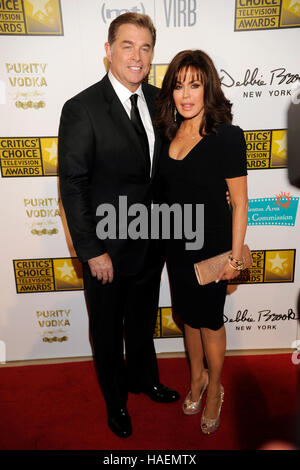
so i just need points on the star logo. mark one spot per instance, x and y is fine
(168, 319)
(67, 271)
(277, 264)
(281, 144)
(52, 151)
(169, 326)
(39, 6)
(280, 265)
(294, 4)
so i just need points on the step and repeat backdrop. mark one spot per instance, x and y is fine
(51, 50)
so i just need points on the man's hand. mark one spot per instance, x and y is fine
(102, 268)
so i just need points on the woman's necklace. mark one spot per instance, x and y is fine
(188, 136)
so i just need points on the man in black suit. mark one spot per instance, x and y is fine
(106, 152)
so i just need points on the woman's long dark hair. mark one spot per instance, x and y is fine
(217, 108)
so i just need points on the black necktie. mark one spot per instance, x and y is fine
(139, 127)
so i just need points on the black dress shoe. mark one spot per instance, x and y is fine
(120, 423)
(161, 393)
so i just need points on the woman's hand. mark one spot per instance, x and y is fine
(228, 273)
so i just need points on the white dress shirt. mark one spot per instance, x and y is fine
(124, 96)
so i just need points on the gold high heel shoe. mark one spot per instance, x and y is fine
(208, 426)
(190, 407)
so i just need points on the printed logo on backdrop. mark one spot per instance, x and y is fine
(31, 17)
(269, 266)
(180, 13)
(48, 275)
(54, 325)
(43, 215)
(264, 319)
(28, 156)
(65, 274)
(156, 74)
(266, 148)
(278, 210)
(177, 13)
(27, 84)
(165, 324)
(110, 9)
(262, 14)
(254, 83)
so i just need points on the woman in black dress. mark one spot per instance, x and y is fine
(204, 155)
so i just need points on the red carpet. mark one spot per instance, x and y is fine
(59, 406)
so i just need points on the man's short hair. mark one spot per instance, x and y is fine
(137, 19)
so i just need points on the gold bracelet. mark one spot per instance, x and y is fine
(238, 262)
(237, 268)
(233, 267)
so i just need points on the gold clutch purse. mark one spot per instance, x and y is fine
(208, 270)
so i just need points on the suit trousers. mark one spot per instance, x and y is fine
(124, 312)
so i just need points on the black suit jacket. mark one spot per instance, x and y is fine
(101, 158)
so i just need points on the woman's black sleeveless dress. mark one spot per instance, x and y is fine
(200, 179)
